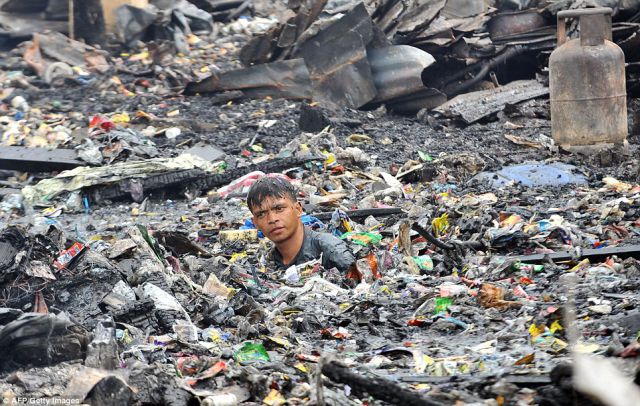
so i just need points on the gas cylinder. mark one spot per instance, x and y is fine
(587, 83)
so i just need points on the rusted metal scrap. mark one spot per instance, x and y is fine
(397, 70)
(277, 43)
(337, 61)
(407, 19)
(387, 75)
(335, 67)
(330, 66)
(351, 63)
(508, 24)
(349, 59)
(286, 79)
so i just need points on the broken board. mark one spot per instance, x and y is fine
(38, 159)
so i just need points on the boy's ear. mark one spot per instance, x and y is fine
(299, 208)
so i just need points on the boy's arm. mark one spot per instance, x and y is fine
(335, 253)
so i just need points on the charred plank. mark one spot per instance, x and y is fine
(180, 181)
(597, 254)
(380, 388)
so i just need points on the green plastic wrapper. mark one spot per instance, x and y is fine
(442, 304)
(250, 353)
(151, 241)
(424, 262)
(521, 266)
(363, 239)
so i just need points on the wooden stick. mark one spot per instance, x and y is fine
(72, 23)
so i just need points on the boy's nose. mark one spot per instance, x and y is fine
(271, 217)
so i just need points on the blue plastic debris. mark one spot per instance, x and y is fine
(532, 175)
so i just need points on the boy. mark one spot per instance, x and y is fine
(276, 212)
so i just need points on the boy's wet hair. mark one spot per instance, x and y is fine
(270, 187)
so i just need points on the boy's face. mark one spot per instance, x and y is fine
(277, 217)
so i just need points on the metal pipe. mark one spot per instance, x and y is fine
(486, 66)
(431, 238)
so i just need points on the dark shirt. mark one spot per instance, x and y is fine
(335, 252)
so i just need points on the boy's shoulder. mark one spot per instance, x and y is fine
(320, 235)
(321, 240)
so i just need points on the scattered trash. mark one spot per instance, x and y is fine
(456, 235)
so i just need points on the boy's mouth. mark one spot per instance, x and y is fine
(276, 230)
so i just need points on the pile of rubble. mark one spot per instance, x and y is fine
(492, 267)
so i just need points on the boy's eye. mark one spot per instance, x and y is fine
(260, 214)
(278, 209)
